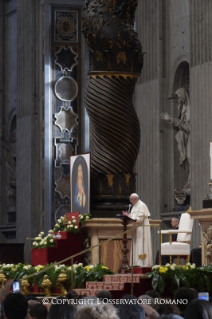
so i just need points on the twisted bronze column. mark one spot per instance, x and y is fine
(116, 61)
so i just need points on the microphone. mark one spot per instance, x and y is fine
(129, 209)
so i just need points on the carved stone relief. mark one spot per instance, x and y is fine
(182, 123)
(63, 186)
(65, 150)
(66, 58)
(66, 119)
(9, 146)
(66, 25)
(66, 44)
(207, 236)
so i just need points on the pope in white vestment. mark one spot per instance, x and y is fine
(142, 244)
(140, 212)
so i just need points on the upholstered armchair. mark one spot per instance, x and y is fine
(180, 248)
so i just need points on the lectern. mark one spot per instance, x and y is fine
(124, 266)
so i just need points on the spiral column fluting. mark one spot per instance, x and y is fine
(116, 129)
(115, 60)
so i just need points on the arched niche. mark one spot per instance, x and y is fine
(181, 80)
(181, 77)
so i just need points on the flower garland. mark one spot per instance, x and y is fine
(80, 274)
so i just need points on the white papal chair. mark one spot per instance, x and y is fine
(181, 247)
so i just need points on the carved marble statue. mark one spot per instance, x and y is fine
(207, 236)
(182, 122)
(10, 158)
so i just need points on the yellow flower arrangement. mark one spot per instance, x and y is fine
(87, 268)
(39, 268)
(104, 267)
(181, 276)
(163, 270)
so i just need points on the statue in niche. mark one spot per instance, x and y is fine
(182, 122)
(207, 237)
(10, 158)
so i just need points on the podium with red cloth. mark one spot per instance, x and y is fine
(67, 245)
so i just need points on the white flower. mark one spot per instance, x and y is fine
(80, 265)
(69, 222)
(27, 267)
(69, 268)
(87, 217)
(167, 265)
(45, 242)
(51, 240)
(56, 225)
(80, 216)
(91, 266)
(34, 243)
(188, 264)
(155, 267)
(62, 266)
(193, 266)
(172, 267)
(71, 226)
(62, 218)
(74, 221)
(49, 235)
(59, 220)
(75, 227)
(42, 233)
(50, 231)
(73, 217)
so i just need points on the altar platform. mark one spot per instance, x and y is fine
(118, 285)
(98, 230)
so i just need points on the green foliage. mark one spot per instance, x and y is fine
(84, 217)
(41, 242)
(182, 276)
(80, 274)
(61, 225)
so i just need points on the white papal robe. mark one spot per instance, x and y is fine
(139, 211)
